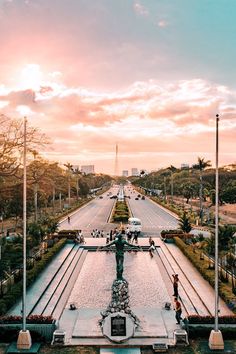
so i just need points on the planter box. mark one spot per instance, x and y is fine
(44, 329)
(201, 329)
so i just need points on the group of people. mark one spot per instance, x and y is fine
(97, 233)
(178, 308)
(79, 237)
(131, 236)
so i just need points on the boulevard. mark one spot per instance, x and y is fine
(96, 214)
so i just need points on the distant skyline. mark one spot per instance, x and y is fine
(149, 75)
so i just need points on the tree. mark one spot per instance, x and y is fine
(83, 188)
(11, 144)
(201, 165)
(184, 223)
(228, 194)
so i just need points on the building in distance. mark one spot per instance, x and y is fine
(184, 166)
(134, 171)
(87, 169)
(125, 173)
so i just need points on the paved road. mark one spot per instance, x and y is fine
(96, 214)
(93, 215)
(154, 218)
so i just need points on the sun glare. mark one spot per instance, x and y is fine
(31, 77)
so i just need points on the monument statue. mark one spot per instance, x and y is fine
(119, 243)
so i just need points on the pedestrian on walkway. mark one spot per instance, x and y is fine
(135, 237)
(175, 284)
(151, 250)
(68, 219)
(178, 310)
(111, 235)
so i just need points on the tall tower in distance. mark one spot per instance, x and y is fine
(116, 162)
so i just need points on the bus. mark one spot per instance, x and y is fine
(134, 224)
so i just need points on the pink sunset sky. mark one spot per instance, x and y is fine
(127, 72)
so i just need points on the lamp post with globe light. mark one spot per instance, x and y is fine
(24, 337)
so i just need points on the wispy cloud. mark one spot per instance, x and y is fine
(162, 23)
(140, 9)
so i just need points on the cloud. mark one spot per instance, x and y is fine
(140, 9)
(146, 118)
(162, 23)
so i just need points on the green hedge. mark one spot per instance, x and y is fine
(120, 212)
(196, 319)
(203, 331)
(194, 255)
(175, 231)
(9, 299)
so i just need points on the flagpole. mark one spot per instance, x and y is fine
(24, 338)
(216, 339)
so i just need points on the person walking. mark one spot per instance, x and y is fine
(175, 284)
(111, 235)
(135, 237)
(68, 219)
(178, 310)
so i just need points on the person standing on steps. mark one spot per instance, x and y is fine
(175, 284)
(178, 310)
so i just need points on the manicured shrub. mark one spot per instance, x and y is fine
(196, 319)
(121, 212)
(8, 300)
(203, 266)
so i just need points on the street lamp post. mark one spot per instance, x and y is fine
(24, 338)
(216, 339)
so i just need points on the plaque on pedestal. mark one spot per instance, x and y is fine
(118, 326)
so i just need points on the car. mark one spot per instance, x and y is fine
(100, 197)
(136, 198)
(113, 197)
(143, 197)
(139, 195)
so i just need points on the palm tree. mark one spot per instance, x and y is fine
(184, 223)
(201, 165)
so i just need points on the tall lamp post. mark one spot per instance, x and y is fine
(24, 338)
(216, 339)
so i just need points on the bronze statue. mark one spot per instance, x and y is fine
(120, 243)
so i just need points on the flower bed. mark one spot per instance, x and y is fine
(196, 319)
(36, 319)
(169, 235)
(42, 326)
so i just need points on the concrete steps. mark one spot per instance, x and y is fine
(120, 351)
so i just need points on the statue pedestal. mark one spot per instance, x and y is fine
(118, 327)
